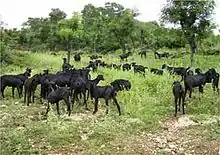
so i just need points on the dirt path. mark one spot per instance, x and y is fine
(177, 138)
(180, 136)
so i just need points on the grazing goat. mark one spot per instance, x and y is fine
(92, 57)
(125, 56)
(118, 67)
(126, 67)
(161, 55)
(179, 95)
(176, 70)
(60, 93)
(156, 71)
(121, 84)
(138, 68)
(106, 92)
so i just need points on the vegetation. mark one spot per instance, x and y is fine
(109, 28)
(146, 109)
(194, 17)
(25, 130)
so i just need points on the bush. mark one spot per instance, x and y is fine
(6, 55)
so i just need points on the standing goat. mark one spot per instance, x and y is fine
(179, 94)
(106, 92)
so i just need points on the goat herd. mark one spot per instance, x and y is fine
(72, 84)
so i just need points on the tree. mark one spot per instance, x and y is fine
(70, 32)
(194, 17)
(121, 22)
(56, 15)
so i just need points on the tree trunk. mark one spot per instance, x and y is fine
(141, 40)
(192, 44)
(191, 59)
(68, 53)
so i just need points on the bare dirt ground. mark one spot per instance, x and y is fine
(180, 136)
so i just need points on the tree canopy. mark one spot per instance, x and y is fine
(194, 17)
(112, 27)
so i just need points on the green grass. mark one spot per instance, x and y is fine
(24, 130)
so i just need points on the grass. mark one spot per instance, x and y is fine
(24, 130)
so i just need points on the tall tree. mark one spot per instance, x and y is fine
(194, 17)
(121, 22)
(70, 31)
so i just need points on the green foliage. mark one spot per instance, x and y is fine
(6, 55)
(113, 27)
(194, 17)
(25, 130)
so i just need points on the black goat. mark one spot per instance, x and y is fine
(66, 66)
(125, 56)
(77, 57)
(200, 80)
(156, 71)
(11, 81)
(93, 65)
(106, 92)
(30, 86)
(214, 79)
(138, 68)
(126, 67)
(215, 82)
(92, 57)
(115, 66)
(121, 84)
(143, 53)
(176, 70)
(78, 86)
(161, 55)
(198, 71)
(90, 83)
(179, 95)
(60, 93)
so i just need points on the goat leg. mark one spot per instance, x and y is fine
(13, 92)
(58, 108)
(175, 106)
(116, 102)
(29, 96)
(48, 108)
(201, 89)
(32, 96)
(183, 104)
(95, 106)
(106, 106)
(179, 103)
(85, 101)
(25, 95)
(68, 104)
